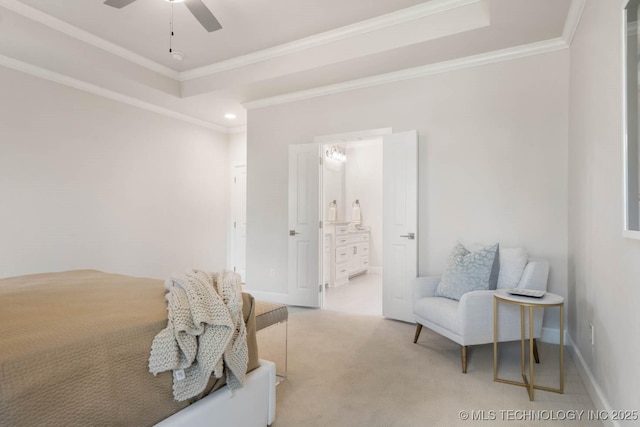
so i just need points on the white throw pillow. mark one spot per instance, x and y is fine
(512, 263)
(467, 271)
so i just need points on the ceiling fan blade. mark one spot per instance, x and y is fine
(118, 3)
(202, 14)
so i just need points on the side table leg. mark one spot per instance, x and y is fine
(531, 380)
(495, 339)
(562, 348)
(523, 371)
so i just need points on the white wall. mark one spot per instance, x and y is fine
(604, 267)
(333, 186)
(364, 182)
(86, 182)
(493, 161)
(237, 149)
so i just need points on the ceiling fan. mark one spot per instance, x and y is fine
(196, 7)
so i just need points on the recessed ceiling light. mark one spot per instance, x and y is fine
(174, 1)
(177, 55)
(230, 116)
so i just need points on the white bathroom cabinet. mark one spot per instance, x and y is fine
(346, 253)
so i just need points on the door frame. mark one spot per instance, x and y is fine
(232, 260)
(338, 138)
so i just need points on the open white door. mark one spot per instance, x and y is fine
(304, 225)
(400, 224)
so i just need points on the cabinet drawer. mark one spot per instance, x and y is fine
(342, 272)
(342, 254)
(341, 241)
(364, 249)
(359, 237)
(354, 238)
(342, 229)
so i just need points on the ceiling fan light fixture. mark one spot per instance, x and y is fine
(197, 8)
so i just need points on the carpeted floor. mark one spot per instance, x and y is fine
(358, 370)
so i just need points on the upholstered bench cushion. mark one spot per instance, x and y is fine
(270, 313)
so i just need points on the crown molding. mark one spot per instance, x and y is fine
(42, 73)
(573, 20)
(394, 18)
(414, 73)
(84, 36)
(384, 21)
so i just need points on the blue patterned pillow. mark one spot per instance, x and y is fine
(467, 271)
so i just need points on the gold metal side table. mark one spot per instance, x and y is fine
(548, 300)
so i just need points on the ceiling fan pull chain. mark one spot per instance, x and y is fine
(171, 30)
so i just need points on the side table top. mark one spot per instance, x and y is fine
(547, 299)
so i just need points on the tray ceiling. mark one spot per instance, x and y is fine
(265, 49)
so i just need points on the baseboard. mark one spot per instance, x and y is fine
(595, 392)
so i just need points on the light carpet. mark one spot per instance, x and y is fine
(359, 370)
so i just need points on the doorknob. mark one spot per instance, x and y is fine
(293, 232)
(409, 236)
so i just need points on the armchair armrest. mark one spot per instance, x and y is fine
(425, 287)
(471, 300)
(475, 306)
(475, 312)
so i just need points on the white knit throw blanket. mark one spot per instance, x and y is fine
(205, 332)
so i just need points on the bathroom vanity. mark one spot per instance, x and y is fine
(346, 252)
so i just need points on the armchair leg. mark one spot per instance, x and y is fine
(418, 330)
(463, 354)
(535, 351)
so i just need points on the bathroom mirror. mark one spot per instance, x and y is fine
(631, 152)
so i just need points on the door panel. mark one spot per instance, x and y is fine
(304, 244)
(400, 223)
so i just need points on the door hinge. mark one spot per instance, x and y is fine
(320, 160)
(319, 288)
(234, 268)
(321, 225)
(234, 224)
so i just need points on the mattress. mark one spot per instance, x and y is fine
(74, 350)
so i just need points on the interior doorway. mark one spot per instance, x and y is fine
(306, 210)
(352, 215)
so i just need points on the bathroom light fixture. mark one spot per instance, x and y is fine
(336, 152)
(230, 116)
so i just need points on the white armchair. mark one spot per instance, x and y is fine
(470, 320)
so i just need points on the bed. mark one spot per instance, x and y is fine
(74, 350)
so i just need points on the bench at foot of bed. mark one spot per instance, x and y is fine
(272, 333)
(253, 405)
